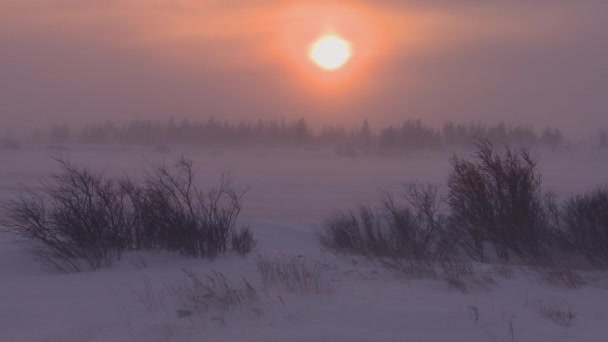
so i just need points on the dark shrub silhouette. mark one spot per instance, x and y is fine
(178, 216)
(497, 199)
(404, 231)
(585, 225)
(82, 219)
(242, 242)
(78, 216)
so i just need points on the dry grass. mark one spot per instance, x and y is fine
(147, 296)
(295, 275)
(214, 293)
(559, 313)
(462, 276)
(411, 268)
(504, 271)
(563, 277)
(454, 274)
(457, 274)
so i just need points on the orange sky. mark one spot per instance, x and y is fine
(434, 60)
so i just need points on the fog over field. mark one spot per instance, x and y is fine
(298, 184)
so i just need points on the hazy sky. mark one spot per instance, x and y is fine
(525, 62)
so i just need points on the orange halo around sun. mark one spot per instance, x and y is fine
(330, 52)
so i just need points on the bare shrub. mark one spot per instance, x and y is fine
(418, 226)
(585, 225)
(295, 275)
(171, 213)
(82, 219)
(176, 215)
(78, 217)
(559, 313)
(214, 293)
(346, 232)
(242, 242)
(498, 199)
(395, 230)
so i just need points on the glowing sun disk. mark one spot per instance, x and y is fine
(330, 52)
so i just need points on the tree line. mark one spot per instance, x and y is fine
(410, 135)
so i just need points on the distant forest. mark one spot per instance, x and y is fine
(410, 135)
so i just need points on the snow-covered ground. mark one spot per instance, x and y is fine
(290, 193)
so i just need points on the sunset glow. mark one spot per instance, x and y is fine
(330, 52)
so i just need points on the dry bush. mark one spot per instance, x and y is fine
(497, 199)
(242, 242)
(585, 225)
(418, 226)
(295, 275)
(82, 219)
(413, 231)
(345, 232)
(78, 219)
(175, 215)
(214, 293)
(559, 313)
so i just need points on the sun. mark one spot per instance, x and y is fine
(330, 52)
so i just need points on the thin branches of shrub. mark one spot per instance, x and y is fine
(81, 219)
(76, 221)
(495, 204)
(414, 230)
(498, 200)
(174, 214)
(585, 225)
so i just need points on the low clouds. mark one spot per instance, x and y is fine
(540, 64)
